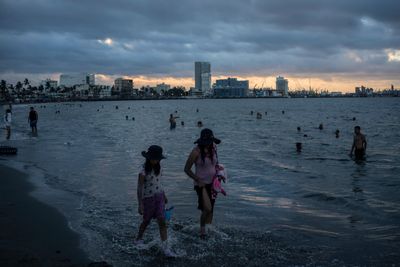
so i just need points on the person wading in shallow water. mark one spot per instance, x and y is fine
(172, 121)
(7, 123)
(32, 119)
(151, 197)
(204, 157)
(359, 144)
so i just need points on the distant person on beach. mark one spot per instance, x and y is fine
(7, 123)
(204, 157)
(151, 197)
(359, 144)
(199, 124)
(32, 119)
(172, 121)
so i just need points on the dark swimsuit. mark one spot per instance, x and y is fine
(200, 196)
(359, 153)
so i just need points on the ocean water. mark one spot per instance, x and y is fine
(317, 207)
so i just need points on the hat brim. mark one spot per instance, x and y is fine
(209, 141)
(150, 157)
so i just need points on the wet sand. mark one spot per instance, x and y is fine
(32, 233)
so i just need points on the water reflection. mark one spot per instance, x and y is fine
(359, 173)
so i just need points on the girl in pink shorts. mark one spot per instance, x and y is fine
(151, 196)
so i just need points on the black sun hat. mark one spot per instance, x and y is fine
(207, 138)
(154, 152)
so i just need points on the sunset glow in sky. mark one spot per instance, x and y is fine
(334, 45)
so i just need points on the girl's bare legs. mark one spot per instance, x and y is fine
(142, 228)
(206, 214)
(163, 229)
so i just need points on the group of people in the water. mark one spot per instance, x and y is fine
(359, 145)
(359, 142)
(172, 121)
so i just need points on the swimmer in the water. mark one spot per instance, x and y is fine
(359, 144)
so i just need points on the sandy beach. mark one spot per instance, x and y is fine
(32, 233)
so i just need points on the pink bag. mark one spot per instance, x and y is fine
(220, 175)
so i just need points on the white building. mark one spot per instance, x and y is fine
(282, 86)
(99, 91)
(82, 87)
(202, 77)
(70, 80)
(48, 83)
(162, 87)
(105, 91)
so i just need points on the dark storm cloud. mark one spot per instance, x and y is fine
(165, 37)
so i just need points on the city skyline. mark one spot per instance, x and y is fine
(295, 83)
(319, 44)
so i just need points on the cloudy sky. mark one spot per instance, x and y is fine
(333, 44)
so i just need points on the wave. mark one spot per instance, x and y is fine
(223, 246)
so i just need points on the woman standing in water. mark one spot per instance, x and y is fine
(7, 123)
(204, 157)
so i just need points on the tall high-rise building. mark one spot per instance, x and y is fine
(202, 77)
(282, 86)
(77, 79)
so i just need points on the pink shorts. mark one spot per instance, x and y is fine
(154, 207)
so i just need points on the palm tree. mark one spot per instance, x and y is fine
(18, 86)
(3, 87)
(47, 85)
(26, 82)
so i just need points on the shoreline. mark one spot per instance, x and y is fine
(31, 232)
(47, 101)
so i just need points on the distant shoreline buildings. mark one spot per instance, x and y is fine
(82, 86)
(73, 79)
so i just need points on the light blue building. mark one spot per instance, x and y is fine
(231, 87)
